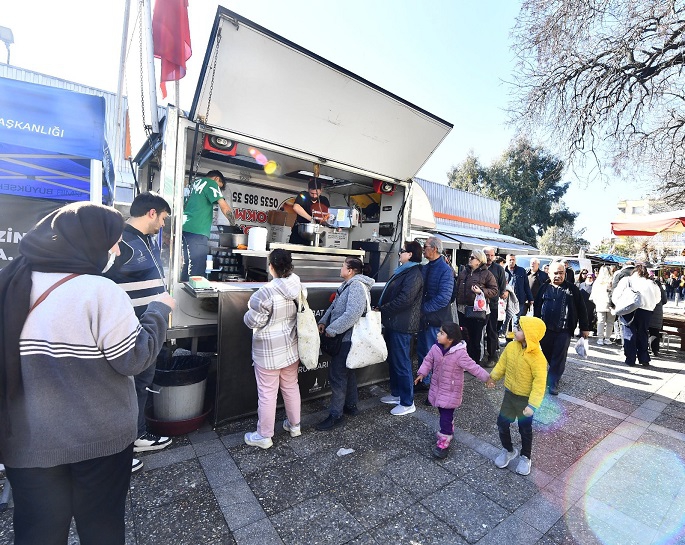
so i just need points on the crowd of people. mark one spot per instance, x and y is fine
(545, 308)
(61, 467)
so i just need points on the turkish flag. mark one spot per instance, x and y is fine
(171, 39)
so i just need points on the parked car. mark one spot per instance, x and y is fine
(576, 263)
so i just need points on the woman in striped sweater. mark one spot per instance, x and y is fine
(70, 343)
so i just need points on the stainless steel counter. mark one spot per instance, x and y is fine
(315, 250)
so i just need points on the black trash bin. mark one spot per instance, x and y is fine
(180, 382)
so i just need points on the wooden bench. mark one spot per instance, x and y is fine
(675, 325)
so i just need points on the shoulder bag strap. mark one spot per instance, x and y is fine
(50, 289)
(368, 302)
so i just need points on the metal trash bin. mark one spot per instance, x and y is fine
(181, 388)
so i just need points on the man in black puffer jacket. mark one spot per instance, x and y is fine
(400, 306)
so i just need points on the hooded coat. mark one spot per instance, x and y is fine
(272, 316)
(447, 382)
(524, 368)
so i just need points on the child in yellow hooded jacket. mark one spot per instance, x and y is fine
(524, 368)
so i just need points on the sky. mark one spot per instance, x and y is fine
(449, 57)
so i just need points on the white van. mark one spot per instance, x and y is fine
(576, 263)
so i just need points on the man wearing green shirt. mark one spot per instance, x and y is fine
(197, 220)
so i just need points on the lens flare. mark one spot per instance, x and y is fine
(270, 167)
(258, 156)
(550, 416)
(632, 494)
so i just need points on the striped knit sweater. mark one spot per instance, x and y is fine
(79, 350)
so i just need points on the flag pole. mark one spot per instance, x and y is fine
(147, 21)
(120, 91)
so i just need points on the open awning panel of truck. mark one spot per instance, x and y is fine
(267, 88)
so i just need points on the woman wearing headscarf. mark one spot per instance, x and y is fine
(70, 343)
(400, 306)
(473, 280)
(348, 306)
(636, 324)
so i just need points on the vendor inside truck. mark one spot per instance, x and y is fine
(310, 207)
(198, 213)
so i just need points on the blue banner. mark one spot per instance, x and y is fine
(35, 173)
(51, 119)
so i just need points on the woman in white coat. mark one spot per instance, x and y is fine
(636, 324)
(601, 297)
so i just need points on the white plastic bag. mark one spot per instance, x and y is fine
(368, 345)
(582, 347)
(479, 303)
(307, 334)
(501, 310)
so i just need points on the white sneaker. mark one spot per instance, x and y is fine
(137, 465)
(523, 467)
(600, 342)
(505, 457)
(149, 441)
(255, 440)
(295, 431)
(390, 400)
(400, 410)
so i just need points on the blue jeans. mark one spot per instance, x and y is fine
(142, 380)
(399, 363)
(195, 250)
(424, 340)
(343, 382)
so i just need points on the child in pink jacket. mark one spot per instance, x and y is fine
(447, 360)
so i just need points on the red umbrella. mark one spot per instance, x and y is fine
(647, 226)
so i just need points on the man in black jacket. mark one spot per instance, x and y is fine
(491, 339)
(138, 269)
(536, 276)
(560, 305)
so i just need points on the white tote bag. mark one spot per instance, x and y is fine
(307, 334)
(368, 345)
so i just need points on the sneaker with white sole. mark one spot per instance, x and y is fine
(391, 400)
(137, 465)
(505, 457)
(400, 410)
(295, 431)
(600, 342)
(523, 467)
(255, 440)
(149, 441)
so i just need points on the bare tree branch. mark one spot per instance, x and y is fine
(605, 77)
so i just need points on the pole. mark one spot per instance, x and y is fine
(147, 22)
(96, 181)
(120, 91)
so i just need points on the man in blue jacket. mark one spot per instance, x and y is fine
(138, 269)
(438, 284)
(517, 278)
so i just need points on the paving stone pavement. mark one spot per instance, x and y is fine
(608, 468)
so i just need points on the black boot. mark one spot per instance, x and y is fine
(330, 422)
